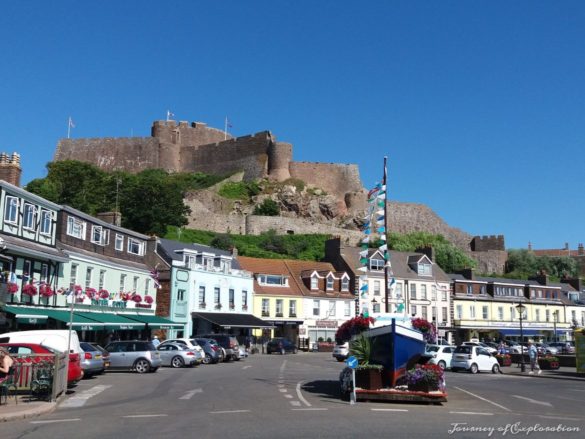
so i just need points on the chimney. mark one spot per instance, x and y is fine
(234, 252)
(10, 170)
(566, 246)
(428, 250)
(467, 273)
(580, 250)
(529, 246)
(575, 282)
(114, 218)
(541, 277)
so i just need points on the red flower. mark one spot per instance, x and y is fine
(46, 290)
(29, 290)
(137, 298)
(12, 288)
(91, 292)
(148, 299)
(104, 294)
(353, 327)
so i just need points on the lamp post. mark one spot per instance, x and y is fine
(521, 308)
(555, 318)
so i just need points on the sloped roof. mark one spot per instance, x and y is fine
(173, 250)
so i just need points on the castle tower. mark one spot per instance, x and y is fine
(279, 158)
(10, 170)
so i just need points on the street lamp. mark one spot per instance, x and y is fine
(521, 308)
(555, 318)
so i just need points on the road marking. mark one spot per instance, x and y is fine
(190, 393)
(281, 386)
(80, 399)
(533, 401)
(55, 420)
(282, 368)
(472, 413)
(389, 410)
(300, 395)
(309, 409)
(559, 418)
(283, 390)
(160, 415)
(295, 403)
(229, 411)
(484, 399)
(246, 367)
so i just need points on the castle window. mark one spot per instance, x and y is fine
(11, 210)
(45, 222)
(75, 227)
(28, 218)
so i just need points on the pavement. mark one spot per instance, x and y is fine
(27, 407)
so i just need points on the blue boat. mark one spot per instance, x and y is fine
(397, 347)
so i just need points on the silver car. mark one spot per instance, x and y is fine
(140, 356)
(178, 355)
(92, 361)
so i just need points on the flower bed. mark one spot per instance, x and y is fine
(548, 362)
(425, 378)
(352, 327)
(427, 329)
(504, 359)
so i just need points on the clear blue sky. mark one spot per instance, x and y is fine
(479, 105)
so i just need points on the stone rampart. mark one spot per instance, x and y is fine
(132, 154)
(333, 178)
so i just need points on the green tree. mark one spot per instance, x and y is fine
(268, 207)
(222, 241)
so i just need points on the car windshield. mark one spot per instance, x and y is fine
(464, 349)
(432, 348)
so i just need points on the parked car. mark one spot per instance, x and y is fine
(221, 351)
(211, 349)
(441, 355)
(92, 361)
(105, 354)
(228, 342)
(546, 349)
(515, 348)
(280, 345)
(341, 351)
(473, 359)
(140, 356)
(190, 343)
(563, 347)
(74, 371)
(178, 355)
(487, 347)
(243, 352)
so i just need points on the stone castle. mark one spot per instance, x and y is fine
(195, 147)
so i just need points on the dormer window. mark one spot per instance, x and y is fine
(11, 210)
(330, 283)
(46, 221)
(75, 227)
(424, 269)
(314, 282)
(119, 242)
(99, 235)
(28, 216)
(273, 280)
(135, 247)
(376, 264)
(345, 284)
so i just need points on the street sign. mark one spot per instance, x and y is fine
(351, 362)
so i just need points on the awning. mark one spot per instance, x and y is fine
(78, 322)
(516, 332)
(28, 315)
(111, 321)
(228, 320)
(154, 322)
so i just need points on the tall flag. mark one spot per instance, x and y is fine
(170, 115)
(228, 124)
(70, 125)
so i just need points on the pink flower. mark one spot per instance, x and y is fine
(104, 294)
(29, 290)
(46, 290)
(137, 298)
(12, 288)
(148, 299)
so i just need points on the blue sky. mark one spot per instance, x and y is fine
(478, 105)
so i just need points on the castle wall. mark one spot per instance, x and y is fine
(132, 154)
(183, 133)
(279, 158)
(333, 178)
(247, 154)
(491, 261)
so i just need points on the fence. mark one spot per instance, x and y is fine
(41, 375)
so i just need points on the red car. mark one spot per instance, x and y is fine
(74, 374)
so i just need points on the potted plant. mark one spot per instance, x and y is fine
(91, 293)
(548, 362)
(352, 327)
(367, 376)
(11, 288)
(45, 290)
(137, 298)
(504, 359)
(29, 290)
(424, 378)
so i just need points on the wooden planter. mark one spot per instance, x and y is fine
(548, 365)
(421, 387)
(323, 346)
(504, 361)
(370, 379)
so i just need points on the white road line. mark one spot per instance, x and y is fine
(190, 393)
(533, 401)
(55, 420)
(300, 395)
(483, 399)
(310, 409)
(281, 386)
(389, 410)
(283, 390)
(246, 367)
(282, 368)
(229, 411)
(80, 399)
(159, 415)
(472, 413)
(288, 396)
(295, 403)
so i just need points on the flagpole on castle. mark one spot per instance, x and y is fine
(225, 129)
(386, 265)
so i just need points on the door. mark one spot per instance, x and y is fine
(484, 359)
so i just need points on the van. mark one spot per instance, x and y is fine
(56, 339)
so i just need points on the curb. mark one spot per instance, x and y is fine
(29, 413)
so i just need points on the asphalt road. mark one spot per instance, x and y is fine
(297, 396)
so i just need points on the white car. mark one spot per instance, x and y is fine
(488, 348)
(473, 359)
(190, 343)
(441, 355)
(341, 351)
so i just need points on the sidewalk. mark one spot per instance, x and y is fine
(26, 408)
(562, 373)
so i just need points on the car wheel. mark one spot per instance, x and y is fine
(474, 368)
(294, 350)
(142, 366)
(442, 364)
(340, 359)
(282, 351)
(177, 362)
(207, 359)
(496, 368)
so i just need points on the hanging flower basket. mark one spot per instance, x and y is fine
(91, 293)
(29, 290)
(46, 291)
(148, 299)
(352, 327)
(104, 294)
(11, 288)
(137, 298)
(427, 329)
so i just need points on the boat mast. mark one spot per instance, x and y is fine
(386, 254)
